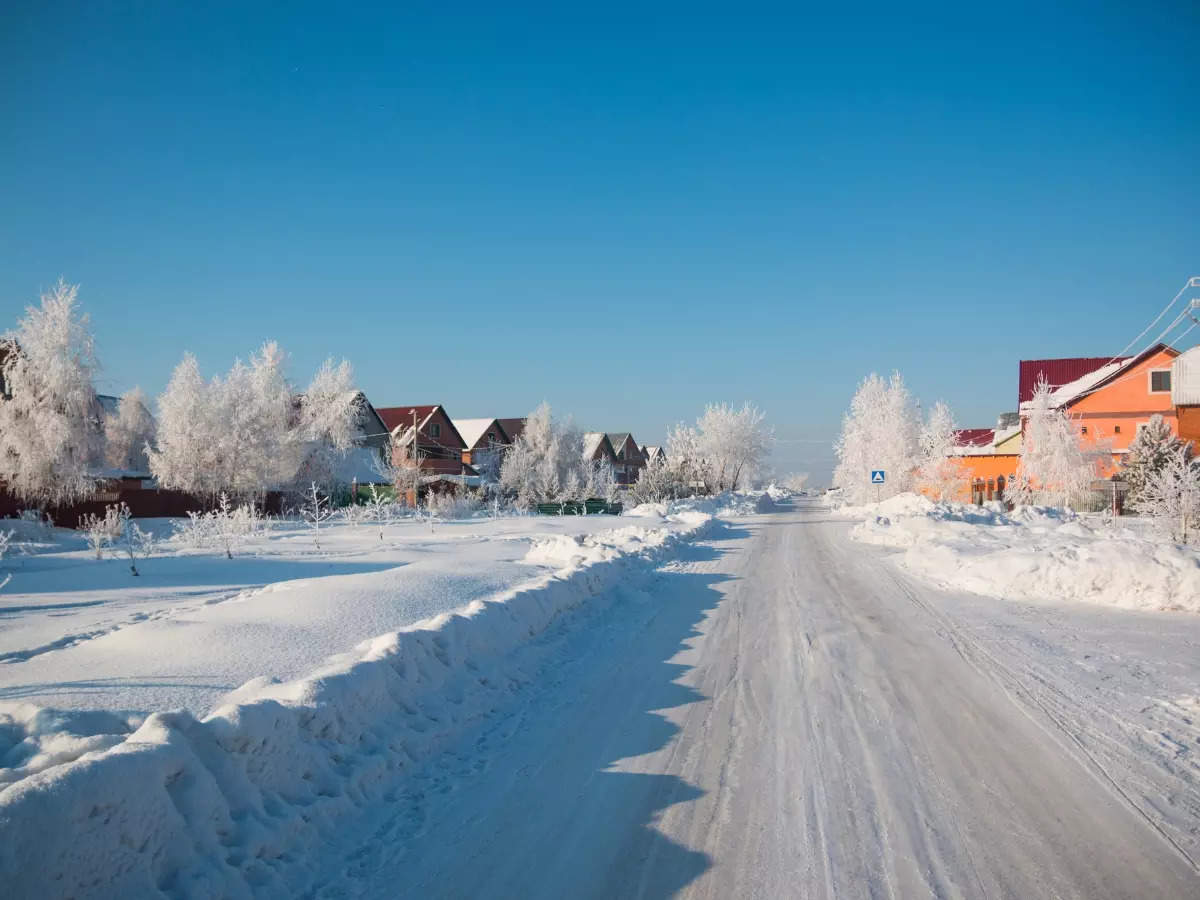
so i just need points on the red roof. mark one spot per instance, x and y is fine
(395, 416)
(974, 437)
(512, 427)
(1057, 372)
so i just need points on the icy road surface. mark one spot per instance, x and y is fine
(784, 714)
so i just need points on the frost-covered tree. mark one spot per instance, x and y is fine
(546, 463)
(1055, 467)
(50, 418)
(686, 459)
(186, 452)
(249, 431)
(880, 431)
(937, 472)
(1154, 446)
(734, 441)
(128, 433)
(331, 411)
(1170, 494)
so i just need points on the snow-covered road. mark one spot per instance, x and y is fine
(784, 714)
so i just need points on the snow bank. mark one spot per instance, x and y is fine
(226, 805)
(1033, 554)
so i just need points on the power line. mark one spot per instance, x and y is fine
(1194, 281)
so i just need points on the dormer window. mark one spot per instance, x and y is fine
(1160, 381)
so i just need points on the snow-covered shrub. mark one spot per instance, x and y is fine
(355, 514)
(138, 544)
(1170, 494)
(452, 505)
(880, 431)
(128, 433)
(49, 432)
(316, 511)
(1055, 467)
(220, 527)
(101, 531)
(382, 507)
(1152, 450)
(937, 474)
(657, 483)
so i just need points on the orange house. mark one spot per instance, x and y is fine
(1109, 399)
(1114, 402)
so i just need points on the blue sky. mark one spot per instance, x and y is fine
(623, 210)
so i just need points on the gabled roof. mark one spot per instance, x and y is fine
(1066, 394)
(595, 442)
(513, 427)
(475, 430)
(974, 437)
(1057, 372)
(402, 417)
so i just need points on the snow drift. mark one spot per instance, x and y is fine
(1033, 553)
(227, 804)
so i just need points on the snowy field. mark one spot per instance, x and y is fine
(209, 690)
(1034, 554)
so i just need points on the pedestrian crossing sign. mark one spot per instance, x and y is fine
(877, 476)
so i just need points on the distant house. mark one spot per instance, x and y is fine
(481, 436)
(653, 454)
(597, 448)
(362, 463)
(424, 437)
(630, 461)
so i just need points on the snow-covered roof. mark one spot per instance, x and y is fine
(591, 443)
(360, 464)
(1075, 390)
(472, 430)
(1003, 434)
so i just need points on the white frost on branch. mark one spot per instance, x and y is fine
(1055, 467)
(937, 471)
(128, 433)
(1170, 494)
(50, 419)
(880, 431)
(249, 431)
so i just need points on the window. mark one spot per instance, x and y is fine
(491, 437)
(1140, 426)
(1116, 429)
(435, 430)
(1083, 430)
(1160, 381)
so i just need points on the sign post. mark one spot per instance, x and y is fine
(878, 477)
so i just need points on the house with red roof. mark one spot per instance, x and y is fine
(424, 437)
(1114, 400)
(1110, 398)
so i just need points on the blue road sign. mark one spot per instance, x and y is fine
(877, 476)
